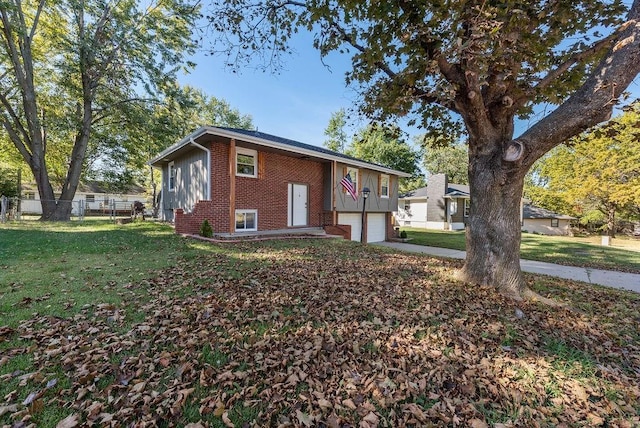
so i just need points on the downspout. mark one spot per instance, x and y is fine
(208, 166)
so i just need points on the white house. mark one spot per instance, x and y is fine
(445, 206)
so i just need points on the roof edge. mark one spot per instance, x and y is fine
(212, 130)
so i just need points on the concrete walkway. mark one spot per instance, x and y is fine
(621, 280)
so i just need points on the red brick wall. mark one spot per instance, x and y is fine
(268, 193)
(343, 230)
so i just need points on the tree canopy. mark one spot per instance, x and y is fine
(599, 169)
(471, 64)
(336, 135)
(70, 68)
(451, 160)
(384, 145)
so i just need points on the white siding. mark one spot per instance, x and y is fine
(416, 216)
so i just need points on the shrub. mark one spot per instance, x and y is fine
(403, 234)
(206, 230)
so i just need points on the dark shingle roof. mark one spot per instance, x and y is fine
(460, 190)
(293, 143)
(533, 212)
(268, 140)
(417, 193)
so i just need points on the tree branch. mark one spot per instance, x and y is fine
(15, 138)
(574, 59)
(593, 102)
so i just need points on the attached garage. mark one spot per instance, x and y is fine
(376, 225)
(354, 220)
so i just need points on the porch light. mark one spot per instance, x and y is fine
(365, 195)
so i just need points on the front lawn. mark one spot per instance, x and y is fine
(623, 255)
(295, 333)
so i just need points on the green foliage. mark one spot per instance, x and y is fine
(145, 129)
(8, 181)
(384, 145)
(336, 135)
(205, 229)
(80, 77)
(403, 234)
(452, 160)
(406, 56)
(598, 170)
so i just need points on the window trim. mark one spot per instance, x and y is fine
(254, 155)
(171, 185)
(254, 212)
(555, 222)
(355, 178)
(90, 198)
(466, 208)
(382, 177)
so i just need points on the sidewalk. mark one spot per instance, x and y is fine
(608, 278)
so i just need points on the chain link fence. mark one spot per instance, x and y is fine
(15, 209)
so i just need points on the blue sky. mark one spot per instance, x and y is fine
(296, 103)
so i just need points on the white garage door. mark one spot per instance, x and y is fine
(376, 227)
(354, 220)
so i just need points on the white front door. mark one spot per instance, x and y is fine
(298, 211)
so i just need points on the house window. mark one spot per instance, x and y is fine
(29, 195)
(384, 186)
(172, 177)
(407, 206)
(90, 198)
(467, 207)
(353, 173)
(453, 207)
(246, 220)
(554, 222)
(246, 162)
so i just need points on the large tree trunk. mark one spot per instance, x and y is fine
(494, 228)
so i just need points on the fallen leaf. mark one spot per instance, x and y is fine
(70, 421)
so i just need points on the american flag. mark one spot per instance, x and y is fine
(348, 185)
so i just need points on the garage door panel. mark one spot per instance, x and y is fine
(354, 220)
(376, 227)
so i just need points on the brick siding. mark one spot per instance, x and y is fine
(268, 194)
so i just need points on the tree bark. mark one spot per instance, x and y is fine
(611, 222)
(494, 229)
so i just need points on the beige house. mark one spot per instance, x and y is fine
(545, 222)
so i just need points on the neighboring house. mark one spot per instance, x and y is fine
(545, 222)
(444, 206)
(92, 197)
(244, 182)
(447, 207)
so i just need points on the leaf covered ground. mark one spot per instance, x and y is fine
(326, 333)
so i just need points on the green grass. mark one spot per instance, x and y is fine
(570, 251)
(61, 268)
(231, 323)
